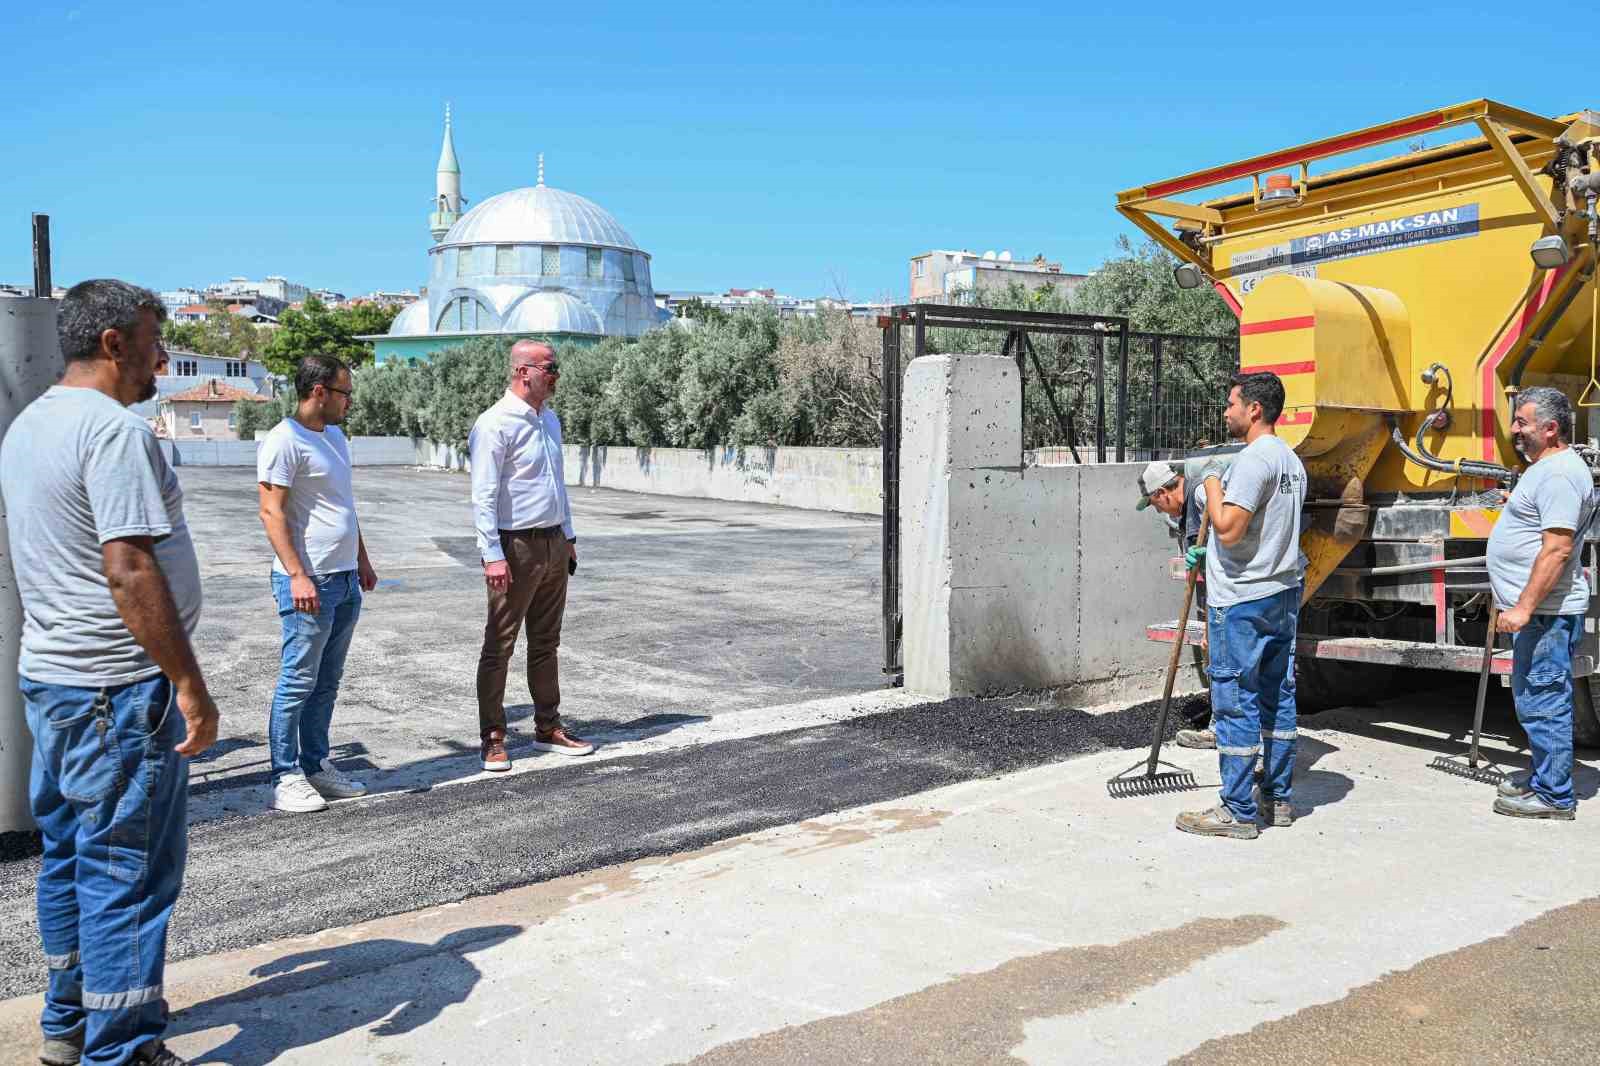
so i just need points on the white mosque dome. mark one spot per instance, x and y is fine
(413, 321)
(552, 312)
(539, 215)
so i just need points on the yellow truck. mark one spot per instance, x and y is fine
(1404, 300)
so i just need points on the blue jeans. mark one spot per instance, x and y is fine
(111, 797)
(314, 648)
(1541, 684)
(1252, 698)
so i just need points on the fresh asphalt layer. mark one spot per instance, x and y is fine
(253, 879)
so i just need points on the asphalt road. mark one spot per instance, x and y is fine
(256, 878)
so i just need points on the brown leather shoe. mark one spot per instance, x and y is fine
(561, 742)
(494, 752)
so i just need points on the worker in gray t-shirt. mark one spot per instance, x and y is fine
(115, 701)
(1253, 580)
(1536, 577)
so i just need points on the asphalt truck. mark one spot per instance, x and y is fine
(1405, 281)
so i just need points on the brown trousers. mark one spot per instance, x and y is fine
(535, 601)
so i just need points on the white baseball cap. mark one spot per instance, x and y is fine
(1157, 475)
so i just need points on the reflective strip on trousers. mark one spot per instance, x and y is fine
(1254, 749)
(62, 962)
(1282, 734)
(138, 997)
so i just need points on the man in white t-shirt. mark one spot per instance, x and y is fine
(320, 571)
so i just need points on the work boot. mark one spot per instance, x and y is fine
(1529, 805)
(561, 742)
(1217, 822)
(1277, 813)
(1196, 738)
(494, 752)
(1517, 784)
(62, 1050)
(155, 1053)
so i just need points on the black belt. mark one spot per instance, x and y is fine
(543, 531)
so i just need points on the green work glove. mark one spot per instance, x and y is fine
(1194, 557)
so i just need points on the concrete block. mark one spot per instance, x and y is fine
(925, 564)
(1125, 579)
(986, 402)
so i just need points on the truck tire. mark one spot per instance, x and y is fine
(1323, 684)
(1585, 713)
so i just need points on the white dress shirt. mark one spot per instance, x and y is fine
(517, 473)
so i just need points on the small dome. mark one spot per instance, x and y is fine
(552, 312)
(539, 215)
(411, 322)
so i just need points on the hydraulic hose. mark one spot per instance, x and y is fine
(1412, 568)
(1461, 467)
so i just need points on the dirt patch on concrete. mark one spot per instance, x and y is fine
(978, 1018)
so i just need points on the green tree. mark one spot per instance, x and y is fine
(458, 385)
(385, 402)
(223, 335)
(252, 419)
(317, 328)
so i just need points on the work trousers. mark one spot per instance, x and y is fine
(1541, 685)
(1252, 698)
(534, 601)
(110, 795)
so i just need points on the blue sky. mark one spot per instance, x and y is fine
(802, 147)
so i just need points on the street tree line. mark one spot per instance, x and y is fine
(749, 378)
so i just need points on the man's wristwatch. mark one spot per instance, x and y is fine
(572, 540)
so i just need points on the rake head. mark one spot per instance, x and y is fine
(1136, 780)
(1458, 766)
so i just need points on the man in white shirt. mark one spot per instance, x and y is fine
(525, 538)
(321, 569)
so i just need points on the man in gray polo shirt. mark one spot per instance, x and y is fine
(1254, 572)
(1536, 576)
(115, 700)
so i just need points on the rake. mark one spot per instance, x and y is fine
(1451, 764)
(1153, 782)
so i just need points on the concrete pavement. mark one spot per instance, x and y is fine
(1022, 917)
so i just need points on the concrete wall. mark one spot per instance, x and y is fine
(1019, 577)
(364, 451)
(825, 479)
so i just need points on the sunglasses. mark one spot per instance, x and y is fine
(552, 368)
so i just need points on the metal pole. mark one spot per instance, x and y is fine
(1122, 394)
(30, 362)
(42, 286)
(1100, 400)
(1155, 395)
(891, 498)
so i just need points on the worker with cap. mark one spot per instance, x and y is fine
(1166, 488)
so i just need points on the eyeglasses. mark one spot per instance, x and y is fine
(346, 393)
(552, 368)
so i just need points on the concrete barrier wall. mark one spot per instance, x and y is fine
(825, 479)
(364, 451)
(1017, 577)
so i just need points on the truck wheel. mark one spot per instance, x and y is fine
(1585, 713)
(1323, 684)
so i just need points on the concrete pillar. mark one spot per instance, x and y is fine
(30, 362)
(1011, 578)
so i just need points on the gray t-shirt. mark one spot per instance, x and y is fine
(1268, 480)
(321, 508)
(77, 470)
(1555, 493)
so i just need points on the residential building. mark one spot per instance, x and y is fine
(328, 297)
(271, 294)
(8, 288)
(941, 276)
(176, 299)
(680, 305)
(197, 312)
(388, 299)
(205, 412)
(189, 370)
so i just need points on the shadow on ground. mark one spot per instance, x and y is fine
(392, 1004)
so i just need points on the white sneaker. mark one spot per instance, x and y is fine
(334, 784)
(293, 793)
